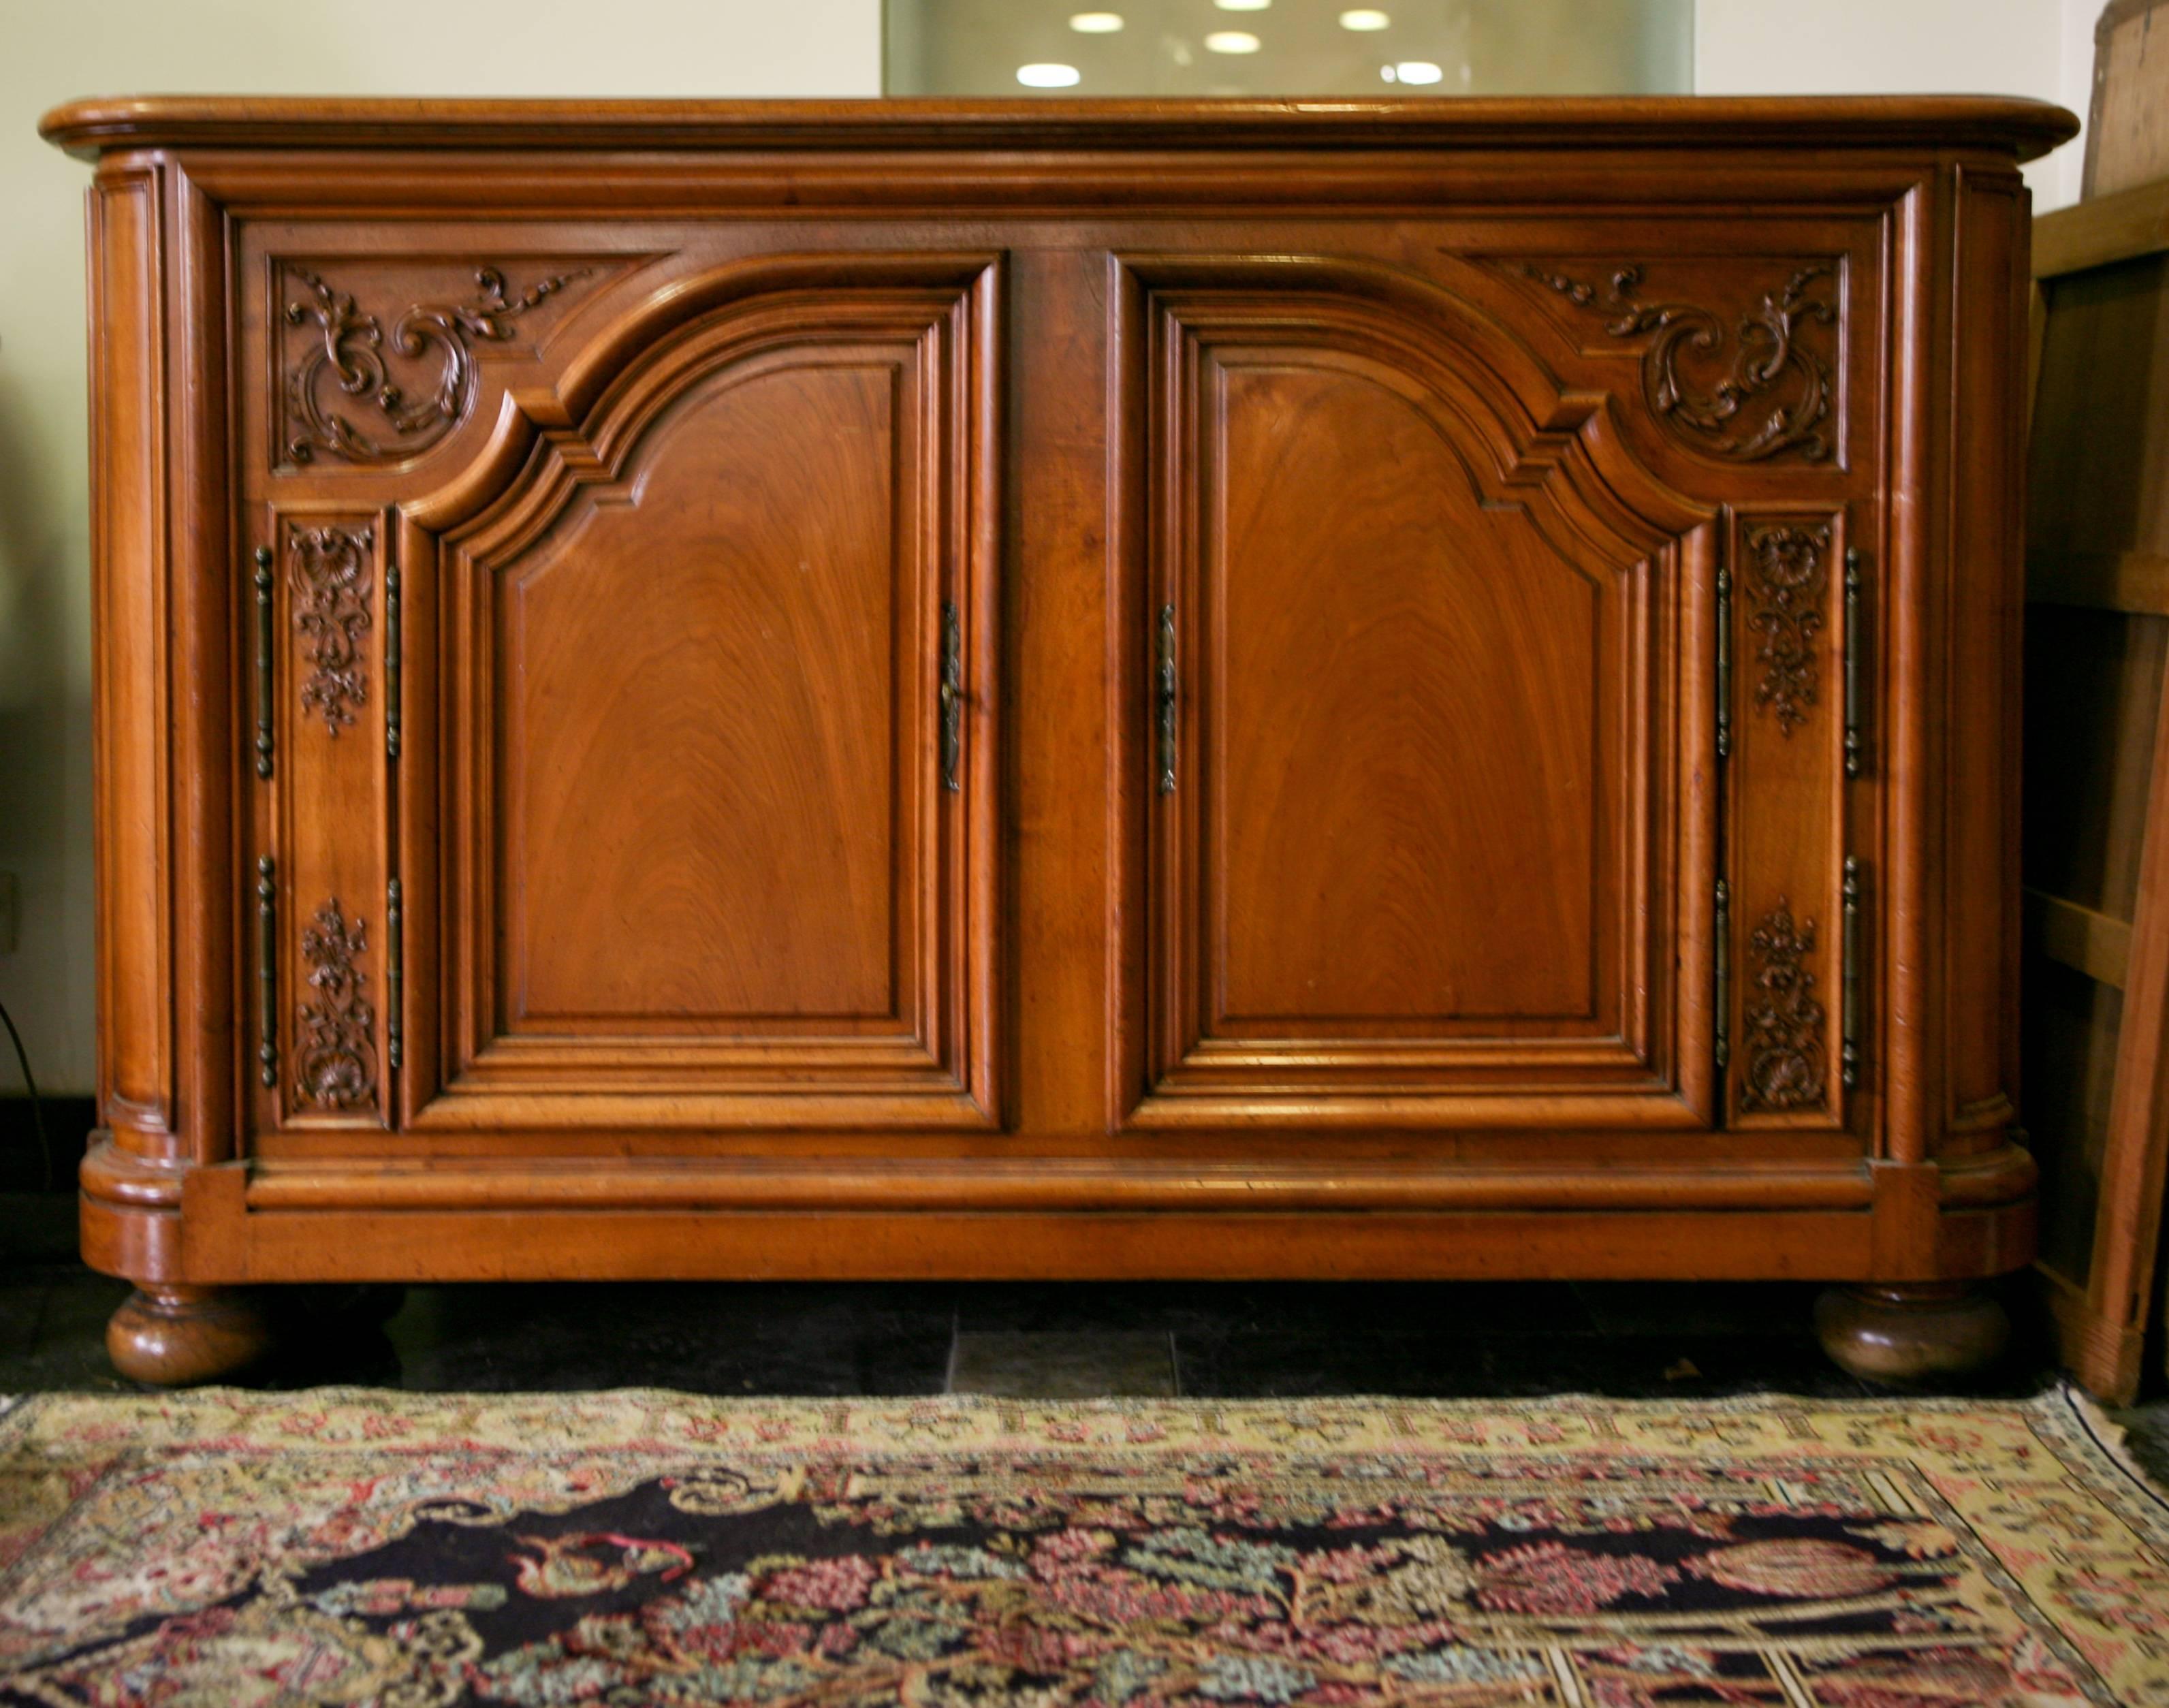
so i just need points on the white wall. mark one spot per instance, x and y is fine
(2075, 80)
(2043, 48)
(53, 50)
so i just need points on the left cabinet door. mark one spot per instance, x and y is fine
(697, 825)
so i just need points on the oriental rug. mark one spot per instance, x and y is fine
(345, 1547)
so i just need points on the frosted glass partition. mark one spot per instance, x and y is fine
(1289, 47)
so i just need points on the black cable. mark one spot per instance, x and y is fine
(37, 1108)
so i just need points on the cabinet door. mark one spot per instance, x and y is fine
(712, 741)
(1426, 832)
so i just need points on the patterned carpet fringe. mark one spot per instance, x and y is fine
(349, 1547)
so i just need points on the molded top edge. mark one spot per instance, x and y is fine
(2026, 129)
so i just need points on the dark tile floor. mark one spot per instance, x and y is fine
(1473, 1339)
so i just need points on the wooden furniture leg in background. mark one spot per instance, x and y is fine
(2103, 1331)
(2097, 942)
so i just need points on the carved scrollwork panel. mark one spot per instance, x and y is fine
(335, 1043)
(361, 393)
(1786, 1056)
(1749, 387)
(1787, 578)
(328, 571)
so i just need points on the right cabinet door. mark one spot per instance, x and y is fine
(1422, 728)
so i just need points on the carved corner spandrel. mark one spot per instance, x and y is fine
(1751, 382)
(369, 386)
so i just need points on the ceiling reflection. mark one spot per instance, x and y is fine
(1289, 47)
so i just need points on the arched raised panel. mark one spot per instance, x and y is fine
(1425, 822)
(711, 830)
(1380, 652)
(727, 858)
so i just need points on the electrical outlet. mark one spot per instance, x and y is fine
(11, 912)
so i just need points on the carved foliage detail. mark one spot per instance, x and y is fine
(1788, 570)
(335, 1054)
(1752, 391)
(1785, 1048)
(347, 360)
(328, 569)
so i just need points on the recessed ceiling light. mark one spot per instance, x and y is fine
(1232, 41)
(1413, 71)
(1046, 76)
(1364, 17)
(1096, 22)
(1242, 5)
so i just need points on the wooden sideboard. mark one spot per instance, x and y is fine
(1334, 689)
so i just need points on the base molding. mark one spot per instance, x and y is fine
(1024, 1217)
(232, 1243)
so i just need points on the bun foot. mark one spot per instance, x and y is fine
(1913, 1334)
(178, 1337)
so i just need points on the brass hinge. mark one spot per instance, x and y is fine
(391, 650)
(1855, 646)
(267, 972)
(1723, 662)
(1849, 979)
(1723, 981)
(1164, 698)
(264, 703)
(395, 973)
(952, 696)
